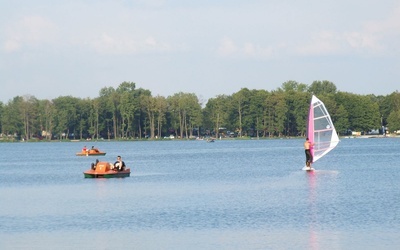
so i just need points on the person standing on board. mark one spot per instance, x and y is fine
(307, 147)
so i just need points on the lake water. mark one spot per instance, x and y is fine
(196, 195)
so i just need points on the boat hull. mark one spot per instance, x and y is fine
(105, 170)
(107, 174)
(90, 154)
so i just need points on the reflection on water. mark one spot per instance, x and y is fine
(197, 195)
(311, 176)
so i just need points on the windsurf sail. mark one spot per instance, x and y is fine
(320, 129)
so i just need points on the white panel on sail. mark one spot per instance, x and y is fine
(325, 136)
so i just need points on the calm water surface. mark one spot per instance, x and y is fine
(197, 195)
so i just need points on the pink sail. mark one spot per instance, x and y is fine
(320, 129)
(310, 126)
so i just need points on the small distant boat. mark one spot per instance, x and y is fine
(210, 140)
(90, 152)
(103, 170)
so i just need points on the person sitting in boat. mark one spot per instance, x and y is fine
(94, 165)
(119, 164)
(84, 149)
(307, 147)
(94, 149)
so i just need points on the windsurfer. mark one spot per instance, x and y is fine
(307, 147)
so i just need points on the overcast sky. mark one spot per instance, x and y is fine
(52, 48)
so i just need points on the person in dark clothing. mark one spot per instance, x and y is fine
(119, 164)
(94, 165)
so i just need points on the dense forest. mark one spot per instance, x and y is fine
(128, 112)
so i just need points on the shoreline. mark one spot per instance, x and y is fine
(2, 140)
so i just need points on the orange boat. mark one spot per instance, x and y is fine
(104, 170)
(90, 152)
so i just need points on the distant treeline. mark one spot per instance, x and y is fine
(130, 113)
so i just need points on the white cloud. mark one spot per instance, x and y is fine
(363, 41)
(29, 31)
(341, 43)
(123, 44)
(390, 25)
(250, 49)
(375, 37)
(364, 37)
(321, 43)
(152, 3)
(228, 47)
(11, 45)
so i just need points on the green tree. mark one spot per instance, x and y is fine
(193, 113)
(275, 113)
(150, 108)
(28, 110)
(341, 120)
(371, 118)
(186, 109)
(293, 86)
(322, 87)
(65, 115)
(46, 118)
(161, 109)
(363, 113)
(84, 107)
(141, 116)
(215, 113)
(12, 121)
(241, 110)
(257, 110)
(1, 115)
(387, 105)
(94, 118)
(301, 104)
(394, 121)
(110, 101)
(297, 102)
(127, 107)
